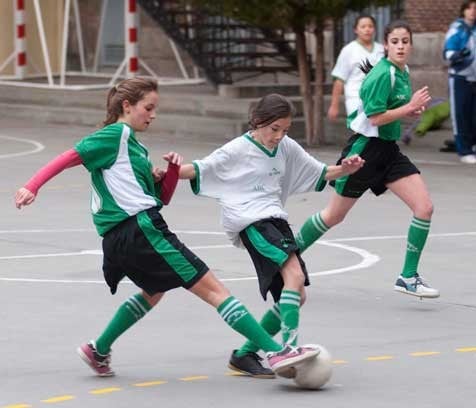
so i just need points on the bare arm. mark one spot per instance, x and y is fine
(187, 171)
(349, 165)
(417, 104)
(337, 89)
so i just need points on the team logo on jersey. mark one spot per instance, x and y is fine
(274, 172)
(258, 187)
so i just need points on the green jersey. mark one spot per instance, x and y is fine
(385, 87)
(121, 175)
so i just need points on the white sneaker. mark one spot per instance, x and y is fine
(415, 286)
(468, 159)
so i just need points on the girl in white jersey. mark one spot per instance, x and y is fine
(252, 177)
(386, 97)
(127, 195)
(346, 73)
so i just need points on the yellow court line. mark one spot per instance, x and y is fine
(195, 378)
(466, 349)
(379, 358)
(59, 399)
(17, 406)
(149, 383)
(105, 390)
(425, 353)
(340, 362)
(235, 374)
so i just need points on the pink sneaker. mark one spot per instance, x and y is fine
(281, 361)
(290, 372)
(99, 363)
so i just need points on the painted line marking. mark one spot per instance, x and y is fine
(109, 390)
(424, 353)
(194, 378)
(466, 350)
(379, 358)
(337, 362)
(38, 147)
(235, 374)
(150, 383)
(58, 399)
(17, 406)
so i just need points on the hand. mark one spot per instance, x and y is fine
(352, 164)
(332, 113)
(158, 174)
(173, 158)
(23, 197)
(420, 99)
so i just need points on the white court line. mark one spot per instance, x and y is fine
(368, 259)
(38, 147)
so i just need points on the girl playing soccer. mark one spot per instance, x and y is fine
(252, 176)
(386, 97)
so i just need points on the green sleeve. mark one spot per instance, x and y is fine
(99, 150)
(374, 94)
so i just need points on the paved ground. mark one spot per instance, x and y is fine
(389, 350)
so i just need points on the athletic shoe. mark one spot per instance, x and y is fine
(468, 159)
(415, 286)
(289, 356)
(249, 364)
(100, 364)
(290, 372)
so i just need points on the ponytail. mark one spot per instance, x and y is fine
(132, 90)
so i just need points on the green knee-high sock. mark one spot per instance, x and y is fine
(311, 231)
(417, 234)
(289, 306)
(271, 322)
(131, 311)
(235, 314)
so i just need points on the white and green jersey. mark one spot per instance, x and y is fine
(121, 175)
(385, 87)
(348, 71)
(252, 183)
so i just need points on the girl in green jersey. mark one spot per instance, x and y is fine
(386, 97)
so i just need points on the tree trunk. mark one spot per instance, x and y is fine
(305, 84)
(319, 86)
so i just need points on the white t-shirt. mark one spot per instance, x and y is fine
(347, 69)
(252, 183)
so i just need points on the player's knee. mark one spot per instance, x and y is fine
(424, 210)
(334, 218)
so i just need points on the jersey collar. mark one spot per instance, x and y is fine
(270, 153)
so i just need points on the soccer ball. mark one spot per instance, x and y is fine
(316, 372)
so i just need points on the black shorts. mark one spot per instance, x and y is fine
(384, 163)
(143, 249)
(269, 243)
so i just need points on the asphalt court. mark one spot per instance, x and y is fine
(388, 349)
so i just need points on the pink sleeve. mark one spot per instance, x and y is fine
(65, 160)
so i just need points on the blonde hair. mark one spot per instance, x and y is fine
(132, 90)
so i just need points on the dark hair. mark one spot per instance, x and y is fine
(365, 66)
(361, 17)
(465, 5)
(132, 90)
(269, 109)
